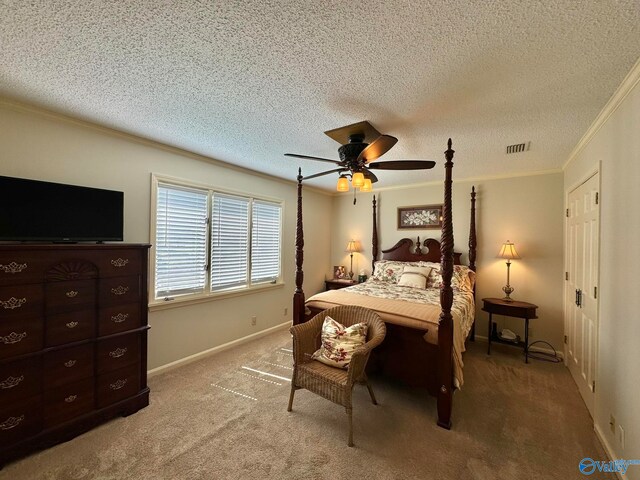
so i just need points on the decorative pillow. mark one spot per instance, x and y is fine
(387, 271)
(463, 277)
(339, 342)
(414, 277)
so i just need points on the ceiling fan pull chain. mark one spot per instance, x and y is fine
(354, 196)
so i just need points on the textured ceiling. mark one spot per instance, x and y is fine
(246, 81)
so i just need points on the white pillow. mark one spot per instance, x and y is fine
(339, 342)
(414, 277)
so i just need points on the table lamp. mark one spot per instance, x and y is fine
(352, 246)
(508, 251)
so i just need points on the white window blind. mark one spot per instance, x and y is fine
(229, 241)
(181, 241)
(265, 242)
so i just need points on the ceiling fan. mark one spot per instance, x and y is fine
(361, 145)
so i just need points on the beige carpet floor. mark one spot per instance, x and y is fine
(220, 418)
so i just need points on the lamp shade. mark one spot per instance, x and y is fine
(357, 180)
(508, 251)
(353, 246)
(367, 187)
(343, 184)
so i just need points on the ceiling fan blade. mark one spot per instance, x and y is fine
(312, 158)
(325, 173)
(370, 175)
(402, 165)
(377, 148)
(342, 134)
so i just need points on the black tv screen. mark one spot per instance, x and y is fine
(32, 210)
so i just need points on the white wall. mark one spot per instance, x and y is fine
(42, 146)
(616, 147)
(526, 210)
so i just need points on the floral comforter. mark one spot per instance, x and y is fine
(463, 302)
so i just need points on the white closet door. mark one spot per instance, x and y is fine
(581, 306)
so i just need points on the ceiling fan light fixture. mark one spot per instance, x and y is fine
(357, 180)
(366, 187)
(343, 184)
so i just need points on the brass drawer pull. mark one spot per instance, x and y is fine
(118, 384)
(70, 398)
(72, 324)
(119, 262)
(13, 267)
(11, 382)
(70, 363)
(119, 290)
(12, 303)
(11, 422)
(119, 318)
(118, 352)
(13, 337)
(71, 294)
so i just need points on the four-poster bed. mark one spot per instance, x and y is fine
(419, 353)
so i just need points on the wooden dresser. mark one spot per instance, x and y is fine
(73, 340)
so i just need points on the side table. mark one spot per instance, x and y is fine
(514, 308)
(337, 284)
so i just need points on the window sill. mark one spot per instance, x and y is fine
(155, 305)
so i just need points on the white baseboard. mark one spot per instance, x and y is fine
(535, 348)
(606, 446)
(220, 348)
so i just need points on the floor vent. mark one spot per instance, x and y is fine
(518, 147)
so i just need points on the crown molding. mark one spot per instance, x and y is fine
(22, 107)
(627, 85)
(439, 183)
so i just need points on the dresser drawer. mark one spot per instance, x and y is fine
(67, 402)
(70, 327)
(20, 335)
(68, 365)
(118, 352)
(119, 290)
(119, 263)
(20, 300)
(20, 420)
(71, 295)
(20, 380)
(118, 318)
(118, 385)
(21, 267)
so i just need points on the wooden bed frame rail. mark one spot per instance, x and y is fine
(401, 251)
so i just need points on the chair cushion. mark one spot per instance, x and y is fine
(339, 342)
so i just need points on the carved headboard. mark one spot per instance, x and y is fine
(402, 251)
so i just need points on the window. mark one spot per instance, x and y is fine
(209, 242)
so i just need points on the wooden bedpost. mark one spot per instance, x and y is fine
(298, 296)
(472, 231)
(374, 239)
(472, 251)
(445, 329)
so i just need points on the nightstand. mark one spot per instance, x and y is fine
(337, 284)
(514, 308)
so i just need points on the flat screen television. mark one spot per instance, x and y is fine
(32, 210)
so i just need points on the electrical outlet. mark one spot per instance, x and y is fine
(285, 310)
(612, 424)
(621, 436)
(254, 320)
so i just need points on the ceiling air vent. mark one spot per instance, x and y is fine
(518, 147)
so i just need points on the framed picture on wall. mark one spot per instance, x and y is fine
(422, 216)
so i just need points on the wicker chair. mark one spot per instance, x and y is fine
(332, 383)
